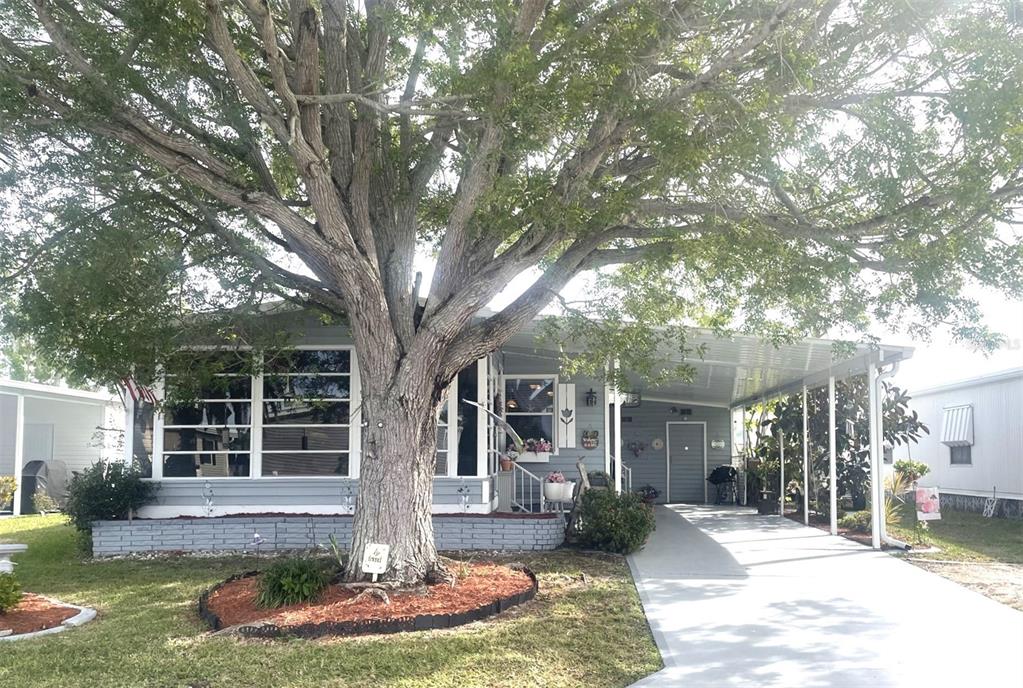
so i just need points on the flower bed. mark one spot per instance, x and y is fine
(487, 589)
(35, 613)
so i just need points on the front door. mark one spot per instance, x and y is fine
(687, 458)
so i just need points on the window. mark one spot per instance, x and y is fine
(962, 455)
(441, 468)
(529, 406)
(209, 435)
(457, 443)
(306, 413)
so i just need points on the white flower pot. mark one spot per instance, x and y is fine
(552, 492)
(535, 457)
(567, 489)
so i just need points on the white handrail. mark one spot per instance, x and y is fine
(529, 479)
(626, 478)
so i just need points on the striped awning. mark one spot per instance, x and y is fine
(957, 426)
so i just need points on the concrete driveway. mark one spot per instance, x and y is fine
(736, 599)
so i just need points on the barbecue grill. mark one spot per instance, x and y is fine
(723, 478)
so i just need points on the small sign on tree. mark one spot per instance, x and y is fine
(374, 559)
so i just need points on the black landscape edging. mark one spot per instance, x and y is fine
(424, 622)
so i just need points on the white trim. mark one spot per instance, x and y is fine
(51, 391)
(354, 416)
(565, 395)
(153, 512)
(129, 430)
(688, 402)
(991, 378)
(486, 400)
(19, 450)
(667, 455)
(605, 403)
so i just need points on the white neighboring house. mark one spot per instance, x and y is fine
(975, 448)
(68, 429)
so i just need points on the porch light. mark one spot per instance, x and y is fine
(591, 398)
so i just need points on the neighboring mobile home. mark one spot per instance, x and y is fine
(288, 441)
(65, 429)
(975, 448)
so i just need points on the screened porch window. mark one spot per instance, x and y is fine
(529, 405)
(306, 413)
(208, 436)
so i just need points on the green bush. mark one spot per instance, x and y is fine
(856, 521)
(8, 485)
(913, 470)
(614, 523)
(291, 581)
(106, 491)
(10, 592)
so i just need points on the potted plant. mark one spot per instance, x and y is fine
(556, 488)
(536, 451)
(508, 460)
(648, 493)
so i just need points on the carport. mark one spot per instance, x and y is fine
(740, 371)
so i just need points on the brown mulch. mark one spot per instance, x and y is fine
(235, 602)
(35, 613)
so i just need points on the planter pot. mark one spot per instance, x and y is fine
(507, 464)
(566, 491)
(535, 457)
(768, 504)
(553, 492)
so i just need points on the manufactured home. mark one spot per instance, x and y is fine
(286, 442)
(51, 432)
(975, 448)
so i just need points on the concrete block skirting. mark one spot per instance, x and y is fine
(296, 532)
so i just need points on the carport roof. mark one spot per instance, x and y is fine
(742, 369)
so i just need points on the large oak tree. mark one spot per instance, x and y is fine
(781, 166)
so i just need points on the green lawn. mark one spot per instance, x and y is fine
(964, 536)
(579, 632)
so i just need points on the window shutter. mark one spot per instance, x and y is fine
(566, 416)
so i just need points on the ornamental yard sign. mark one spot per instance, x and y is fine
(374, 559)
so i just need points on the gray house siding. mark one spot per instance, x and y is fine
(647, 423)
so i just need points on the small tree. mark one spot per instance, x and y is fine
(852, 416)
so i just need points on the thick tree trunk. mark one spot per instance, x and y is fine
(396, 485)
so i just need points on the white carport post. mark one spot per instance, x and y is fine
(781, 473)
(19, 450)
(806, 461)
(876, 488)
(832, 463)
(617, 420)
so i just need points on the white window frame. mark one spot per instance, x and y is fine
(353, 388)
(554, 403)
(256, 443)
(451, 450)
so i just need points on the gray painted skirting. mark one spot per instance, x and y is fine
(237, 533)
(1006, 508)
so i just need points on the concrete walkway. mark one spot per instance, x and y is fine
(736, 599)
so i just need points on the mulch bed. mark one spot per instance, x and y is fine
(486, 589)
(823, 523)
(35, 613)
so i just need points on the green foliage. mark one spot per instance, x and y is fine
(291, 581)
(106, 491)
(913, 470)
(785, 416)
(614, 523)
(10, 592)
(856, 521)
(44, 503)
(8, 486)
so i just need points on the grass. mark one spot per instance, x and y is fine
(582, 630)
(965, 536)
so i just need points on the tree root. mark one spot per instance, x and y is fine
(375, 593)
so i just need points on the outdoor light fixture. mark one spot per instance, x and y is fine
(591, 398)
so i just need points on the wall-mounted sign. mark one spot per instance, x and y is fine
(631, 399)
(717, 444)
(374, 559)
(626, 419)
(682, 411)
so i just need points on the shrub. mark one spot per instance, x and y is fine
(648, 493)
(614, 523)
(10, 592)
(856, 521)
(106, 491)
(291, 581)
(913, 470)
(44, 503)
(8, 486)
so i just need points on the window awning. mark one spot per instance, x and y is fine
(957, 426)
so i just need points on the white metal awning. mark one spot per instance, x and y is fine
(957, 426)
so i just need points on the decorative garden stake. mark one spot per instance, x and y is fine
(207, 495)
(257, 540)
